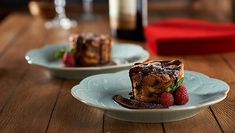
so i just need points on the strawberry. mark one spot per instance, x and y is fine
(181, 95)
(68, 59)
(167, 99)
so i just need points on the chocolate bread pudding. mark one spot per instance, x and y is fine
(150, 79)
(91, 49)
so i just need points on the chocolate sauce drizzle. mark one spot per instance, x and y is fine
(157, 67)
(134, 104)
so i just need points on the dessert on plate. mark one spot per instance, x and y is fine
(87, 50)
(157, 82)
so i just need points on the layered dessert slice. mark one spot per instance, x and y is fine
(91, 49)
(151, 79)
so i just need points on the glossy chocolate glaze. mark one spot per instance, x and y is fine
(171, 68)
(134, 104)
(101, 52)
(80, 45)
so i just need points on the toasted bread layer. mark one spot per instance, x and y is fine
(150, 79)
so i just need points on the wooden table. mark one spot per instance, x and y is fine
(33, 101)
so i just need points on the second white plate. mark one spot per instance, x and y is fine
(124, 56)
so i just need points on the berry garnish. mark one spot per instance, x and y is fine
(167, 99)
(68, 59)
(181, 95)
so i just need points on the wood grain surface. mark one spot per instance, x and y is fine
(31, 100)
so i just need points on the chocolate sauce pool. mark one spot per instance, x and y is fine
(134, 104)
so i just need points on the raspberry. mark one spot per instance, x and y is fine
(68, 59)
(167, 99)
(181, 95)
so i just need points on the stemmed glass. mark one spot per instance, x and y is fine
(88, 11)
(61, 20)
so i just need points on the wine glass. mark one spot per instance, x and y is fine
(61, 20)
(88, 11)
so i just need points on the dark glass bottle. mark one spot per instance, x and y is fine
(128, 18)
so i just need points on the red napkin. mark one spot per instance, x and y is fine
(184, 37)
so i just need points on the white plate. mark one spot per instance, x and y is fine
(97, 91)
(124, 55)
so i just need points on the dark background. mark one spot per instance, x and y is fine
(212, 10)
(8, 6)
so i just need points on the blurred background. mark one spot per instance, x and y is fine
(212, 10)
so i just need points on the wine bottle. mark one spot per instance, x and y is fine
(128, 18)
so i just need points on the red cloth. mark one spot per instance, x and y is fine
(184, 37)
